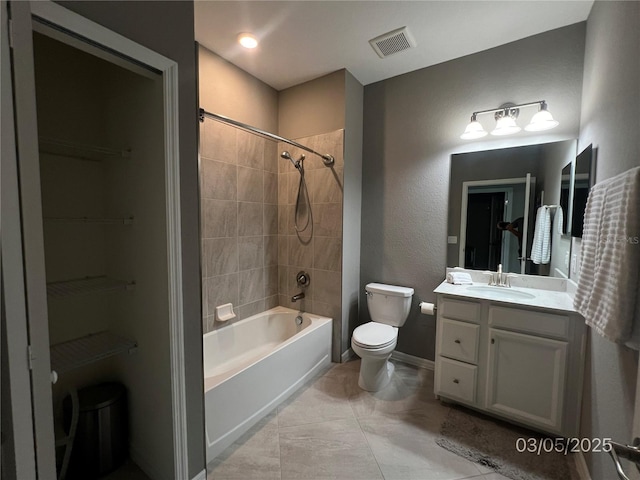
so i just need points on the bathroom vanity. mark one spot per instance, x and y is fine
(516, 353)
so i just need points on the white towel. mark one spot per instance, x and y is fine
(541, 247)
(559, 220)
(608, 293)
(459, 278)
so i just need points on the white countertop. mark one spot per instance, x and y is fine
(547, 299)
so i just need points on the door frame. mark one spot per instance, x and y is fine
(527, 181)
(506, 239)
(82, 28)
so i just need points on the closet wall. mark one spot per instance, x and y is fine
(103, 202)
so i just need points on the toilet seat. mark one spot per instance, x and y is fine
(374, 335)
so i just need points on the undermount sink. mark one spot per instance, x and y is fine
(500, 292)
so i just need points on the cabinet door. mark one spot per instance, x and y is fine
(526, 378)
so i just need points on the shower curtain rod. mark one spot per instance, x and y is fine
(327, 159)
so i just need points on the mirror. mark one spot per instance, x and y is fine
(565, 197)
(500, 192)
(581, 186)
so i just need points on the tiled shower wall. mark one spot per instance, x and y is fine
(239, 221)
(319, 254)
(251, 251)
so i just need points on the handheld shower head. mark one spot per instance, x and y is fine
(296, 163)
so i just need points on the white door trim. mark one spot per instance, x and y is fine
(18, 442)
(80, 26)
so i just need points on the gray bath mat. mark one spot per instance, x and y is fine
(492, 443)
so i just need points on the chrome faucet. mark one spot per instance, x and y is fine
(500, 279)
(298, 296)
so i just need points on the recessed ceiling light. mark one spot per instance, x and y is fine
(247, 40)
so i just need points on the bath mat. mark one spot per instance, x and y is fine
(492, 443)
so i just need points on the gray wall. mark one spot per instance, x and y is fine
(230, 91)
(312, 107)
(149, 23)
(352, 210)
(412, 126)
(609, 120)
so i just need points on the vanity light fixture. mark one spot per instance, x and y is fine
(248, 40)
(506, 116)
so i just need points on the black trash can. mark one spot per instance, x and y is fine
(101, 442)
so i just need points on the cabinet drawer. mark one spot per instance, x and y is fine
(457, 380)
(459, 340)
(545, 324)
(460, 310)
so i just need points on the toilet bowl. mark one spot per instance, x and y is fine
(374, 341)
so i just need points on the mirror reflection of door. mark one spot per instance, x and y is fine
(495, 224)
(483, 249)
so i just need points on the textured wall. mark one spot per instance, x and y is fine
(412, 126)
(609, 120)
(352, 207)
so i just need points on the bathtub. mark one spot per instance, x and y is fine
(252, 365)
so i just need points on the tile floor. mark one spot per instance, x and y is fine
(331, 429)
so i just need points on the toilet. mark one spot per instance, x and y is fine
(374, 341)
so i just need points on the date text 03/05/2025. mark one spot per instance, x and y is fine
(562, 445)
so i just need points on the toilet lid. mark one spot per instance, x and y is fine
(374, 334)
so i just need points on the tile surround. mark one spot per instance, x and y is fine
(251, 252)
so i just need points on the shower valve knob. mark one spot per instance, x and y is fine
(303, 279)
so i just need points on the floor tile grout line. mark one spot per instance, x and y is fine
(366, 439)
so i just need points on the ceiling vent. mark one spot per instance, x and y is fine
(393, 42)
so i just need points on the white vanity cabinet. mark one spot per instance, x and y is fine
(520, 363)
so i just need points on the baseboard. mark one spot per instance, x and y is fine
(581, 466)
(201, 476)
(412, 360)
(347, 355)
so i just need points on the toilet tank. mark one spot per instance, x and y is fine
(388, 304)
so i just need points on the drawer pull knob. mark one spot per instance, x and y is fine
(493, 340)
(457, 341)
(455, 380)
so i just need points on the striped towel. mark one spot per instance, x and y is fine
(608, 293)
(541, 247)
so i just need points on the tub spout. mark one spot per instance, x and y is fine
(297, 297)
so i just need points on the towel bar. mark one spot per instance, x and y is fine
(629, 452)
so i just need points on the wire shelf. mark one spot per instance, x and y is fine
(87, 285)
(83, 351)
(81, 151)
(106, 221)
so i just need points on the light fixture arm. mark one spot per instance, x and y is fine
(541, 103)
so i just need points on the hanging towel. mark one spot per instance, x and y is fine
(608, 293)
(559, 220)
(541, 247)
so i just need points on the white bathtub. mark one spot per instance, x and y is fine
(254, 364)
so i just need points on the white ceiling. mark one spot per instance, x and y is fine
(303, 40)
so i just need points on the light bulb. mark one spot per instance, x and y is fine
(474, 130)
(543, 120)
(505, 126)
(247, 40)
